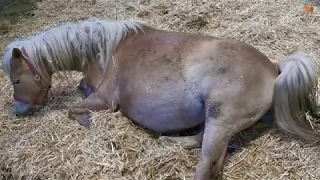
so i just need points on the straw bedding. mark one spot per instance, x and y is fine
(48, 145)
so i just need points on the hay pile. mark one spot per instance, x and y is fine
(51, 146)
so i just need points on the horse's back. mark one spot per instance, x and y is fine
(226, 60)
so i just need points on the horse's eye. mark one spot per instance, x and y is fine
(16, 81)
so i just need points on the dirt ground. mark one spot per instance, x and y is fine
(48, 145)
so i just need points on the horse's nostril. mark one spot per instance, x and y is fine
(21, 109)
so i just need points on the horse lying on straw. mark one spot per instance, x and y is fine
(167, 82)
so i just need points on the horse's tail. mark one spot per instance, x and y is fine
(295, 96)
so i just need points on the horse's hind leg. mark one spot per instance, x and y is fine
(214, 147)
(188, 142)
(225, 117)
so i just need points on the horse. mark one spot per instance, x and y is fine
(167, 81)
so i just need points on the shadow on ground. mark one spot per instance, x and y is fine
(12, 11)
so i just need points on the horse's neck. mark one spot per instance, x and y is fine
(49, 68)
(70, 64)
(76, 65)
(91, 66)
(52, 67)
(91, 70)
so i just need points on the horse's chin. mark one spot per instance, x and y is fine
(24, 114)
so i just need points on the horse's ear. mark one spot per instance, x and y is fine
(16, 53)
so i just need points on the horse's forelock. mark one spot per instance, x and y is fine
(6, 60)
(8, 55)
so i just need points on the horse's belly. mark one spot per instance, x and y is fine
(164, 114)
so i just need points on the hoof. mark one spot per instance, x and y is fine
(234, 146)
(185, 142)
(268, 118)
(85, 121)
(164, 139)
(83, 86)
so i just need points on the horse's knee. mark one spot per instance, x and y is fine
(76, 110)
(84, 119)
(72, 114)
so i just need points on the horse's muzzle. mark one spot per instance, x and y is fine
(22, 109)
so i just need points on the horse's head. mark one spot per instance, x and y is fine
(29, 89)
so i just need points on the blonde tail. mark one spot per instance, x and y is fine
(295, 95)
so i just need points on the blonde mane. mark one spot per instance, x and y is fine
(74, 44)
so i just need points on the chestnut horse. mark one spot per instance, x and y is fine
(167, 82)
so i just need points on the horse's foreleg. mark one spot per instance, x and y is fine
(81, 110)
(188, 142)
